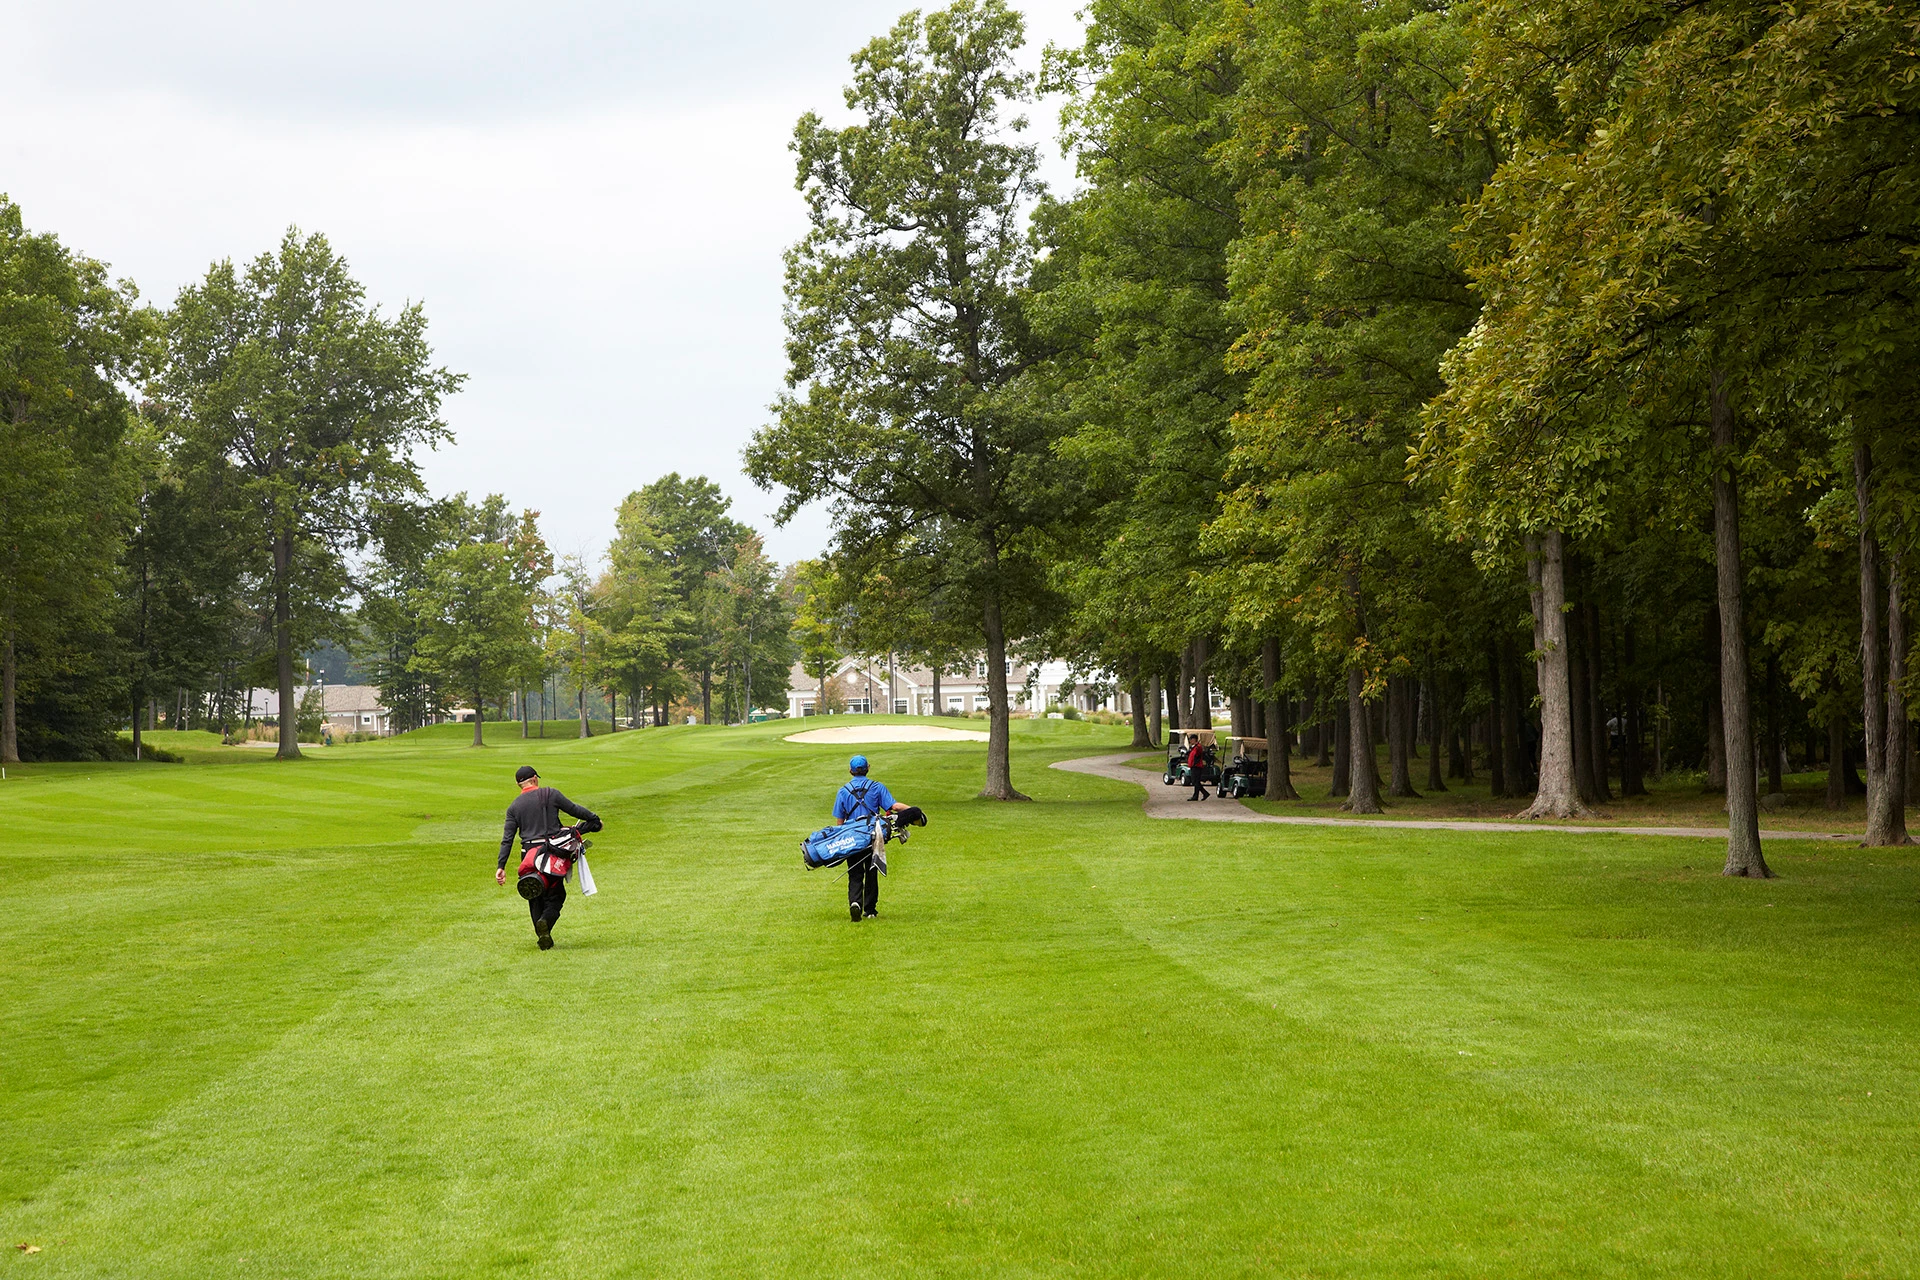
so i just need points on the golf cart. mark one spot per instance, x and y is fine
(1177, 774)
(1245, 775)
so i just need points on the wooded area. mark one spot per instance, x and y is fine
(1534, 376)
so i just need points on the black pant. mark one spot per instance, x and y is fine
(547, 905)
(1199, 787)
(863, 883)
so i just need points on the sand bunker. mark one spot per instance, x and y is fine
(889, 733)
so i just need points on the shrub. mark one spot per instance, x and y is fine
(121, 748)
(306, 724)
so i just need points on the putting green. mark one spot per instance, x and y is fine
(275, 1019)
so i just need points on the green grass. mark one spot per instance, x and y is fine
(273, 1019)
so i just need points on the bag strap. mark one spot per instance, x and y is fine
(860, 796)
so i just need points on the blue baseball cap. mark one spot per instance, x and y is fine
(857, 765)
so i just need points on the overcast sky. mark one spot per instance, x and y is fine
(590, 198)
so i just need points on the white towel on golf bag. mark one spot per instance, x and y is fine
(586, 875)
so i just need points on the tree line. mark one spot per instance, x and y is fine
(194, 497)
(1532, 375)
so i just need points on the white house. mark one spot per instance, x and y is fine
(355, 708)
(872, 686)
(349, 708)
(1057, 684)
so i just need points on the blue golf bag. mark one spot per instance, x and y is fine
(831, 846)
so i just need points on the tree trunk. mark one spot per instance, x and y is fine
(1496, 739)
(522, 696)
(1513, 745)
(1399, 736)
(1237, 717)
(1775, 784)
(1181, 701)
(1153, 721)
(1633, 769)
(1363, 786)
(1342, 761)
(1894, 809)
(1557, 797)
(1883, 701)
(1873, 688)
(1596, 705)
(283, 644)
(1279, 757)
(1436, 733)
(6, 679)
(706, 697)
(9, 709)
(1716, 762)
(999, 765)
(1137, 698)
(1202, 689)
(1659, 725)
(1743, 803)
(479, 717)
(1837, 761)
(1582, 706)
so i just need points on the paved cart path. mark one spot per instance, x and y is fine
(1171, 802)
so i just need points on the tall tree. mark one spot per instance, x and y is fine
(1351, 178)
(477, 637)
(646, 618)
(315, 400)
(692, 536)
(751, 625)
(907, 340)
(1133, 300)
(570, 638)
(182, 588)
(811, 586)
(68, 340)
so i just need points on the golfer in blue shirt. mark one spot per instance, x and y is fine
(863, 797)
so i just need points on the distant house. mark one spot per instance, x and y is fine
(349, 708)
(355, 708)
(1057, 684)
(874, 687)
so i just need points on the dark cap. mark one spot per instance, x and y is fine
(524, 772)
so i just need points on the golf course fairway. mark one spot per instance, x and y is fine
(276, 1019)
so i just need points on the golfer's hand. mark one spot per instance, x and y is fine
(500, 876)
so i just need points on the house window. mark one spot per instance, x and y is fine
(806, 708)
(956, 702)
(899, 706)
(859, 706)
(366, 719)
(980, 700)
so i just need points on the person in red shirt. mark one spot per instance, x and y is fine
(1196, 764)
